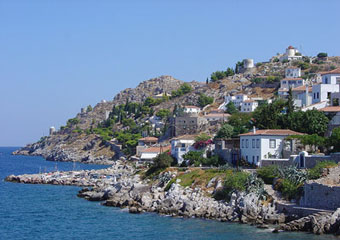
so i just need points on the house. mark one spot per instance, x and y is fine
(192, 109)
(228, 150)
(291, 54)
(181, 145)
(217, 116)
(302, 96)
(144, 143)
(287, 83)
(259, 145)
(162, 95)
(148, 154)
(330, 84)
(236, 100)
(187, 124)
(249, 106)
(292, 72)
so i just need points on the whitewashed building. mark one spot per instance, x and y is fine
(192, 109)
(330, 84)
(148, 154)
(181, 145)
(302, 96)
(264, 144)
(237, 100)
(249, 106)
(292, 72)
(287, 83)
(291, 54)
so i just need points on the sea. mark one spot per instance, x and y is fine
(29, 211)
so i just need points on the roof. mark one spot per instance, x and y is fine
(250, 100)
(291, 79)
(330, 109)
(190, 106)
(217, 115)
(335, 71)
(292, 67)
(156, 149)
(147, 139)
(302, 89)
(291, 47)
(272, 132)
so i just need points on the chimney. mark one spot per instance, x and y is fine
(254, 129)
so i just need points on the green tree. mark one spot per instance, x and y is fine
(231, 109)
(162, 161)
(204, 100)
(322, 55)
(185, 88)
(225, 132)
(149, 102)
(334, 139)
(163, 113)
(269, 116)
(89, 108)
(241, 123)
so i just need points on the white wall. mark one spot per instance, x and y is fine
(320, 92)
(331, 78)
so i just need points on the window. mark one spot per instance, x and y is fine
(284, 82)
(253, 143)
(183, 145)
(253, 159)
(247, 143)
(337, 80)
(317, 95)
(247, 158)
(314, 96)
(257, 159)
(272, 143)
(258, 143)
(242, 143)
(326, 80)
(299, 82)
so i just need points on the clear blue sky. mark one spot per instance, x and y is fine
(59, 56)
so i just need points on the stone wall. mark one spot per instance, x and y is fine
(277, 162)
(318, 195)
(311, 161)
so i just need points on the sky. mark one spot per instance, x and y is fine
(59, 56)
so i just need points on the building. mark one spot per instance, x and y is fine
(161, 95)
(287, 83)
(291, 54)
(228, 150)
(148, 154)
(181, 145)
(217, 116)
(292, 72)
(330, 84)
(188, 124)
(267, 144)
(192, 109)
(302, 96)
(144, 143)
(52, 130)
(236, 100)
(249, 106)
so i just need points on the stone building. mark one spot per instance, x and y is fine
(188, 124)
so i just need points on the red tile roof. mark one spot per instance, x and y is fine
(330, 109)
(272, 132)
(156, 149)
(302, 89)
(335, 71)
(149, 139)
(192, 107)
(250, 100)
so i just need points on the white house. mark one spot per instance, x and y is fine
(330, 84)
(302, 96)
(237, 100)
(292, 72)
(287, 83)
(217, 117)
(249, 106)
(291, 54)
(148, 154)
(181, 145)
(192, 109)
(263, 144)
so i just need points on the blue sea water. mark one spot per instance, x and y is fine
(54, 212)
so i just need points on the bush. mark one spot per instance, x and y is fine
(226, 131)
(288, 189)
(322, 55)
(268, 173)
(235, 181)
(204, 100)
(315, 172)
(161, 162)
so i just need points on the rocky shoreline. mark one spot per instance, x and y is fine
(121, 186)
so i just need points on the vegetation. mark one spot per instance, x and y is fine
(231, 109)
(89, 108)
(334, 139)
(218, 75)
(161, 162)
(204, 100)
(163, 113)
(322, 55)
(268, 173)
(313, 140)
(315, 172)
(288, 189)
(241, 122)
(184, 89)
(225, 132)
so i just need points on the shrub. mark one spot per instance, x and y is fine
(226, 131)
(315, 172)
(204, 100)
(268, 173)
(288, 189)
(161, 162)
(235, 181)
(322, 55)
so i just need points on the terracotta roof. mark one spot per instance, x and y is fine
(302, 89)
(271, 132)
(330, 109)
(335, 71)
(217, 115)
(249, 100)
(192, 107)
(156, 149)
(291, 79)
(291, 47)
(146, 139)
